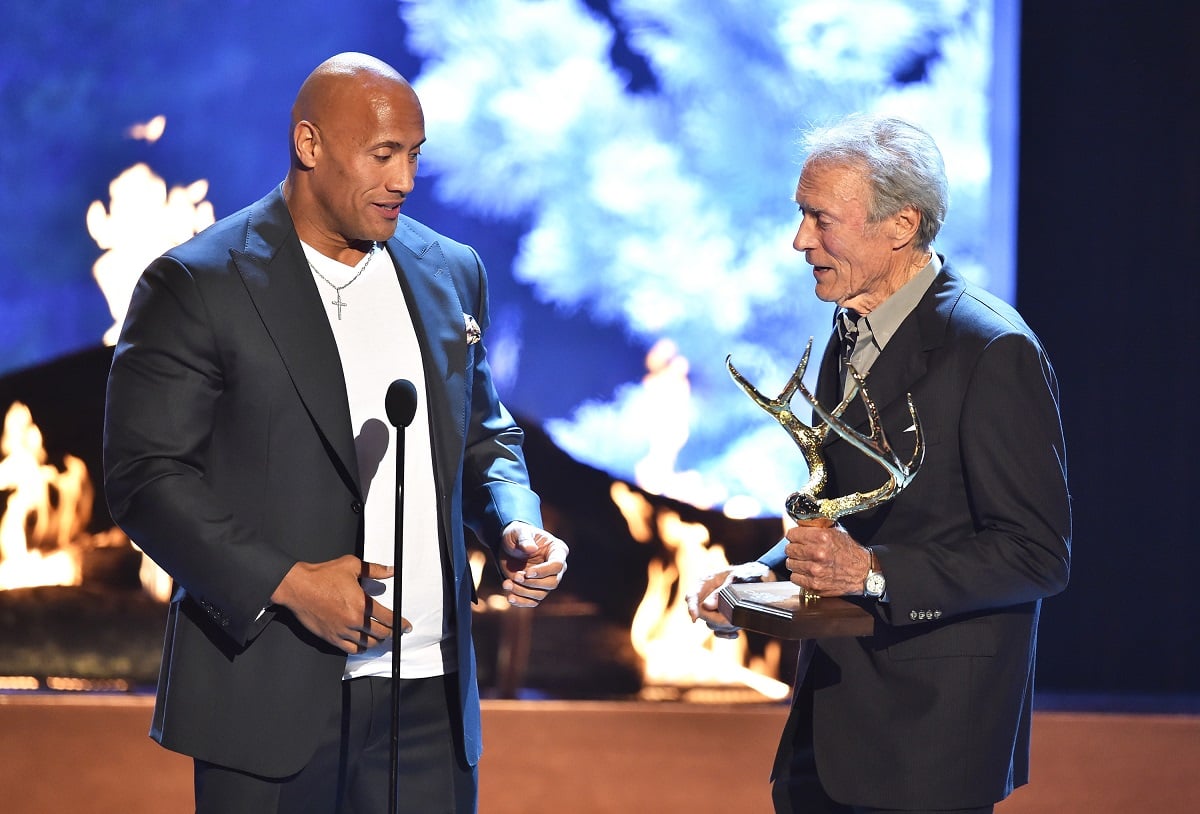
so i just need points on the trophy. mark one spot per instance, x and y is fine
(783, 609)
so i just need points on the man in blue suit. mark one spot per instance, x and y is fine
(932, 711)
(247, 452)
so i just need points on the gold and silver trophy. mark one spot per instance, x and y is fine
(784, 609)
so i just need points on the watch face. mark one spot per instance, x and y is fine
(875, 584)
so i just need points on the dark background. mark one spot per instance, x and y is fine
(1108, 222)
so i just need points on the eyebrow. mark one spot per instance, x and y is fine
(395, 145)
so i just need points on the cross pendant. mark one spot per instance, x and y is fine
(339, 303)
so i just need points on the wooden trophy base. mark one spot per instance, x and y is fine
(778, 609)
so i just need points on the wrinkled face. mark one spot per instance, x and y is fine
(364, 159)
(853, 260)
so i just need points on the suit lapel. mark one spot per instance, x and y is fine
(437, 317)
(829, 387)
(903, 362)
(892, 374)
(275, 272)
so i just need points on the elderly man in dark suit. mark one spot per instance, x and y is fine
(246, 451)
(932, 711)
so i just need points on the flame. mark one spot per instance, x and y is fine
(668, 393)
(43, 528)
(34, 489)
(150, 131)
(677, 652)
(155, 581)
(142, 221)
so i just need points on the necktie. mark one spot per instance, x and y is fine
(848, 326)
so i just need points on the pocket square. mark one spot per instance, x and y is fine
(472, 328)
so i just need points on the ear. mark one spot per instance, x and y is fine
(904, 225)
(306, 140)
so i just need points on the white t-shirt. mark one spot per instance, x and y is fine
(378, 344)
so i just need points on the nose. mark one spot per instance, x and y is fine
(805, 235)
(404, 178)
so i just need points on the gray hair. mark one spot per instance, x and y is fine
(902, 164)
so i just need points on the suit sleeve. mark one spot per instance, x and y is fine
(163, 389)
(1015, 547)
(495, 478)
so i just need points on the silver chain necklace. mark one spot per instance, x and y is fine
(337, 289)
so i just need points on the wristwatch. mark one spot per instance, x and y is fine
(875, 585)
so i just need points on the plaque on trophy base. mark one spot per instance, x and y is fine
(778, 609)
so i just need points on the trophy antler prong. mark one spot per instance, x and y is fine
(804, 505)
(875, 446)
(808, 439)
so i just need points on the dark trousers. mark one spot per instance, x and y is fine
(350, 771)
(797, 789)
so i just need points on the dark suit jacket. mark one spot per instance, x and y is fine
(933, 711)
(229, 456)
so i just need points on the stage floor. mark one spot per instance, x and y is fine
(90, 753)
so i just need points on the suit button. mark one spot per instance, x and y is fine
(356, 507)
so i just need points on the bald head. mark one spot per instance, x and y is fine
(347, 86)
(357, 130)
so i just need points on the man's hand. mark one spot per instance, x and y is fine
(533, 562)
(702, 601)
(826, 561)
(329, 600)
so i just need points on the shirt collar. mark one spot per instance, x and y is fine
(882, 323)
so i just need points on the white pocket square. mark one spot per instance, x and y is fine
(472, 328)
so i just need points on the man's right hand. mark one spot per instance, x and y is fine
(329, 600)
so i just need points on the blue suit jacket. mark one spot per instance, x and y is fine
(229, 456)
(933, 710)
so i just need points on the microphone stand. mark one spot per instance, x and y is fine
(401, 406)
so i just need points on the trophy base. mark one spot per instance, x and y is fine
(778, 609)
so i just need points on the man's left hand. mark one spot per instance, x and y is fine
(533, 562)
(826, 560)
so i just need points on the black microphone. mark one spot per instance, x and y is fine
(400, 403)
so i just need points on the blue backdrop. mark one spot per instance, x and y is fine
(625, 169)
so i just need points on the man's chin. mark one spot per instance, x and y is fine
(824, 294)
(824, 280)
